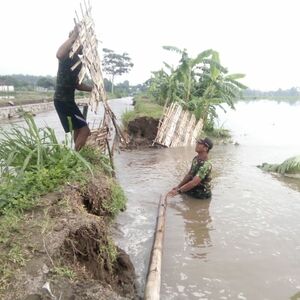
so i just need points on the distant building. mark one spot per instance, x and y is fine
(6, 88)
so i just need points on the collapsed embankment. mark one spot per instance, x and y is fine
(61, 248)
(142, 131)
(141, 124)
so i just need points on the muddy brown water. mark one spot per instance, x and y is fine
(242, 244)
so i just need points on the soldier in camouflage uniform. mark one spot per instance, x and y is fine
(197, 181)
(64, 97)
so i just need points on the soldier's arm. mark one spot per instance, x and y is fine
(185, 187)
(186, 179)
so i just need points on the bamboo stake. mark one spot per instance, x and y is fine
(153, 282)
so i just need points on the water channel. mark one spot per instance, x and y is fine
(242, 244)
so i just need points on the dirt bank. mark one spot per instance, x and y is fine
(64, 244)
(142, 131)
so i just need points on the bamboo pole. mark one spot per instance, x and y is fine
(153, 281)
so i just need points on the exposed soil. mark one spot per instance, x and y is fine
(65, 243)
(142, 132)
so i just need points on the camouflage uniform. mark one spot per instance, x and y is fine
(202, 169)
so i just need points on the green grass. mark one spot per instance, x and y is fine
(144, 107)
(64, 271)
(26, 97)
(118, 199)
(218, 133)
(33, 163)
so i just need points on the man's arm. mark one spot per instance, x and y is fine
(189, 185)
(64, 50)
(181, 188)
(186, 179)
(83, 87)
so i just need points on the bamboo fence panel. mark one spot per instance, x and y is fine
(164, 124)
(91, 68)
(178, 127)
(181, 127)
(189, 129)
(172, 125)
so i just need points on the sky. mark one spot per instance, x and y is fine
(259, 38)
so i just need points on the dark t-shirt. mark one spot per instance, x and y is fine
(66, 79)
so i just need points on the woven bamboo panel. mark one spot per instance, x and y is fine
(91, 68)
(177, 127)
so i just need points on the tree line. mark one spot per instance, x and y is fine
(293, 92)
(113, 64)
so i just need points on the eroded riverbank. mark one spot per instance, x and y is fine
(244, 243)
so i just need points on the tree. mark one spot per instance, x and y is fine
(46, 82)
(115, 64)
(200, 84)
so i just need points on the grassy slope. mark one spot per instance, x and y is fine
(144, 107)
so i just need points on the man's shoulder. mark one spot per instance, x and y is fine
(208, 163)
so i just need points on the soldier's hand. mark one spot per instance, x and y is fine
(172, 193)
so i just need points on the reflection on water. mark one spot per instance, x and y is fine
(197, 224)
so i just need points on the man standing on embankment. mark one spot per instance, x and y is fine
(64, 98)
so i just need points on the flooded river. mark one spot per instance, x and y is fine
(245, 242)
(242, 244)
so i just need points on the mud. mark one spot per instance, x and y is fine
(142, 132)
(64, 245)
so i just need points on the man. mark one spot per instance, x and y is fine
(64, 97)
(197, 182)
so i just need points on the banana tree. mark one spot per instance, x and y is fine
(200, 84)
(216, 88)
(185, 73)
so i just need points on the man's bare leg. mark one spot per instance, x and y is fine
(76, 133)
(81, 135)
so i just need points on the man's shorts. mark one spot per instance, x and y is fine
(68, 110)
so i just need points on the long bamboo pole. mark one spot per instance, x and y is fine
(153, 282)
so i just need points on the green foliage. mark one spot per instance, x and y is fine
(16, 256)
(217, 132)
(47, 82)
(118, 200)
(289, 95)
(64, 271)
(25, 82)
(109, 250)
(96, 158)
(128, 116)
(289, 166)
(144, 107)
(115, 64)
(9, 225)
(199, 84)
(34, 163)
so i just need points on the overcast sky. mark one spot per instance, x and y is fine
(259, 38)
